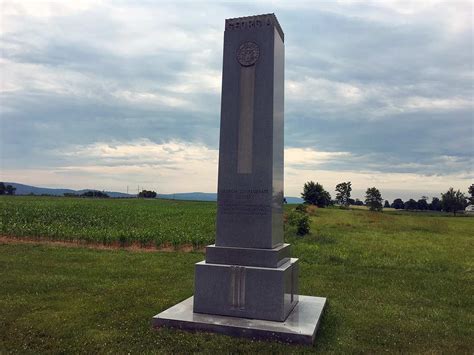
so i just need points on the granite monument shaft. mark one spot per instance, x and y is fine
(249, 272)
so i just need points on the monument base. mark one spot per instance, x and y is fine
(300, 327)
(246, 291)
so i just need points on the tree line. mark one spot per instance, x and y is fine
(7, 189)
(450, 201)
(101, 194)
(89, 193)
(147, 194)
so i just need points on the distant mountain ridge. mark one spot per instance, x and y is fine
(22, 189)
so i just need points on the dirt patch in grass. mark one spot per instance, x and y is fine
(136, 247)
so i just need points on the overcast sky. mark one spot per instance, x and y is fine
(105, 94)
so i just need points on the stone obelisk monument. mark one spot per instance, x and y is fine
(249, 273)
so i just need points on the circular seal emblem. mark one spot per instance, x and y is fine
(248, 53)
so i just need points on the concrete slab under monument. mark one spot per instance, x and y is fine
(300, 326)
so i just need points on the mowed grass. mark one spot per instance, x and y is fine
(395, 282)
(142, 221)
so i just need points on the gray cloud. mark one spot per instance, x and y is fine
(391, 85)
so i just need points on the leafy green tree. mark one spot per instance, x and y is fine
(471, 192)
(147, 194)
(422, 204)
(373, 199)
(453, 201)
(10, 190)
(386, 204)
(398, 204)
(314, 194)
(435, 204)
(343, 194)
(411, 205)
(358, 202)
(2, 188)
(94, 193)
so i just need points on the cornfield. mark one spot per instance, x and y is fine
(109, 221)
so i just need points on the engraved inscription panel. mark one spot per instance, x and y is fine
(258, 210)
(244, 202)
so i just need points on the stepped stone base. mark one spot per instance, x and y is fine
(248, 256)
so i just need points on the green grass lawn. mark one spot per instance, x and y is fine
(396, 282)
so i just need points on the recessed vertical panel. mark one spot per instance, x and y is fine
(233, 288)
(242, 288)
(237, 287)
(245, 140)
(278, 143)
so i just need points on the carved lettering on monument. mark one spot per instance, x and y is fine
(244, 201)
(243, 191)
(255, 210)
(248, 22)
